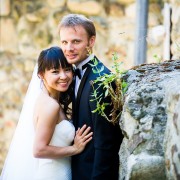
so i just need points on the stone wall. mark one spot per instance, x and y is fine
(150, 123)
(26, 27)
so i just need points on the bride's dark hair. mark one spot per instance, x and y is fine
(53, 58)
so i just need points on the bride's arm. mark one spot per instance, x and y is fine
(44, 129)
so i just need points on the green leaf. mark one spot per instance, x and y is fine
(94, 111)
(102, 68)
(95, 71)
(105, 82)
(92, 100)
(124, 84)
(95, 62)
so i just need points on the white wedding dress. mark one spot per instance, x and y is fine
(57, 169)
(20, 163)
(43, 169)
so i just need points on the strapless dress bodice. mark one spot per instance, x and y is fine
(58, 169)
(63, 134)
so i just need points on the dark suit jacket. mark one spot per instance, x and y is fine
(99, 160)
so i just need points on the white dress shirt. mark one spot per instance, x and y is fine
(78, 81)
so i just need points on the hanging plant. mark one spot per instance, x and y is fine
(116, 93)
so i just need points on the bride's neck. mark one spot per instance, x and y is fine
(55, 95)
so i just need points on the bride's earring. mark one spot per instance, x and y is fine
(42, 83)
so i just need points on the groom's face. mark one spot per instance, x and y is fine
(74, 43)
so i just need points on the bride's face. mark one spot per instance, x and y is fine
(58, 79)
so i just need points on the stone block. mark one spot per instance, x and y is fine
(8, 36)
(87, 7)
(5, 7)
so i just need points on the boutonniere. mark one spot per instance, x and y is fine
(113, 86)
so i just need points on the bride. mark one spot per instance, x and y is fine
(42, 143)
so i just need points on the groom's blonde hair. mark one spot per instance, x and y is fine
(73, 20)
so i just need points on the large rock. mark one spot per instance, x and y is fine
(175, 34)
(172, 135)
(5, 7)
(86, 7)
(56, 3)
(125, 2)
(130, 11)
(149, 121)
(8, 35)
(115, 10)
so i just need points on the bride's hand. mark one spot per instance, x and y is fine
(83, 136)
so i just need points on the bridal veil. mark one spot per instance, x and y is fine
(20, 163)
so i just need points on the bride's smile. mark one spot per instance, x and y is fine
(57, 79)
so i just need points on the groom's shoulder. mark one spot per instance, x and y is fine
(104, 69)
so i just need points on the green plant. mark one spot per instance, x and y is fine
(157, 58)
(116, 93)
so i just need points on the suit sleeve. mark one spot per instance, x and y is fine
(107, 140)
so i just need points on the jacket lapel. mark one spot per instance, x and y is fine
(73, 101)
(88, 70)
(81, 86)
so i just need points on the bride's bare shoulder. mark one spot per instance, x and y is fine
(45, 103)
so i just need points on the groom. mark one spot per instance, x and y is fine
(99, 160)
